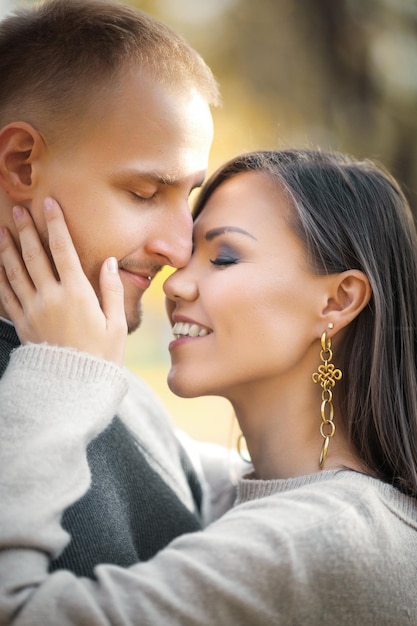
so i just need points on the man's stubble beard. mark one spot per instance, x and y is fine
(134, 324)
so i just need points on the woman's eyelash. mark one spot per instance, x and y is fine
(224, 260)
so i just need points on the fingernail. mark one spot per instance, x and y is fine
(17, 213)
(48, 204)
(112, 265)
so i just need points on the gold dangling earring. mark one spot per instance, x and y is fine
(242, 449)
(326, 375)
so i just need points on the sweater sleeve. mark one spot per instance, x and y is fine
(247, 569)
(53, 402)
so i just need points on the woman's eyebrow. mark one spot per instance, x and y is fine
(216, 232)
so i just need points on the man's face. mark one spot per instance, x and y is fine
(124, 184)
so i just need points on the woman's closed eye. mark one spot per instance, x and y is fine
(223, 260)
(224, 255)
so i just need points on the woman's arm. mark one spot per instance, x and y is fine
(66, 312)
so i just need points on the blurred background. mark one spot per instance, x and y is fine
(335, 74)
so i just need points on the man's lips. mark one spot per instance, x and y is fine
(140, 280)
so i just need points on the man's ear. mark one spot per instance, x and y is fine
(20, 147)
(349, 294)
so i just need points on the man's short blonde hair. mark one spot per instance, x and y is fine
(59, 56)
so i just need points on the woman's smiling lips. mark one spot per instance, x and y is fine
(188, 330)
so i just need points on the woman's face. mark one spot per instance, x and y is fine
(246, 309)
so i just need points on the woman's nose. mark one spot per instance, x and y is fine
(180, 286)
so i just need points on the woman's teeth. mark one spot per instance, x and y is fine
(184, 329)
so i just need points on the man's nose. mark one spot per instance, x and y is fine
(172, 241)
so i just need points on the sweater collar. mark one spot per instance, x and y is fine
(250, 488)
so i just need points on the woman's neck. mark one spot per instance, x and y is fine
(282, 432)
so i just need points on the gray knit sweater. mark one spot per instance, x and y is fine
(332, 548)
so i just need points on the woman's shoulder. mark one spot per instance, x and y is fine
(331, 505)
(329, 549)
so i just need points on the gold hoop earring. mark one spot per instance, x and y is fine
(326, 376)
(242, 449)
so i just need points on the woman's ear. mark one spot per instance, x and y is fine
(20, 147)
(349, 294)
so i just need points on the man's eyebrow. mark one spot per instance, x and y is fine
(216, 232)
(159, 178)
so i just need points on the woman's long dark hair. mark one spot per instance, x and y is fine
(353, 215)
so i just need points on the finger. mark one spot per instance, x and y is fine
(61, 246)
(112, 293)
(17, 275)
(112, 300)
(9, 301)
(34, 255)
